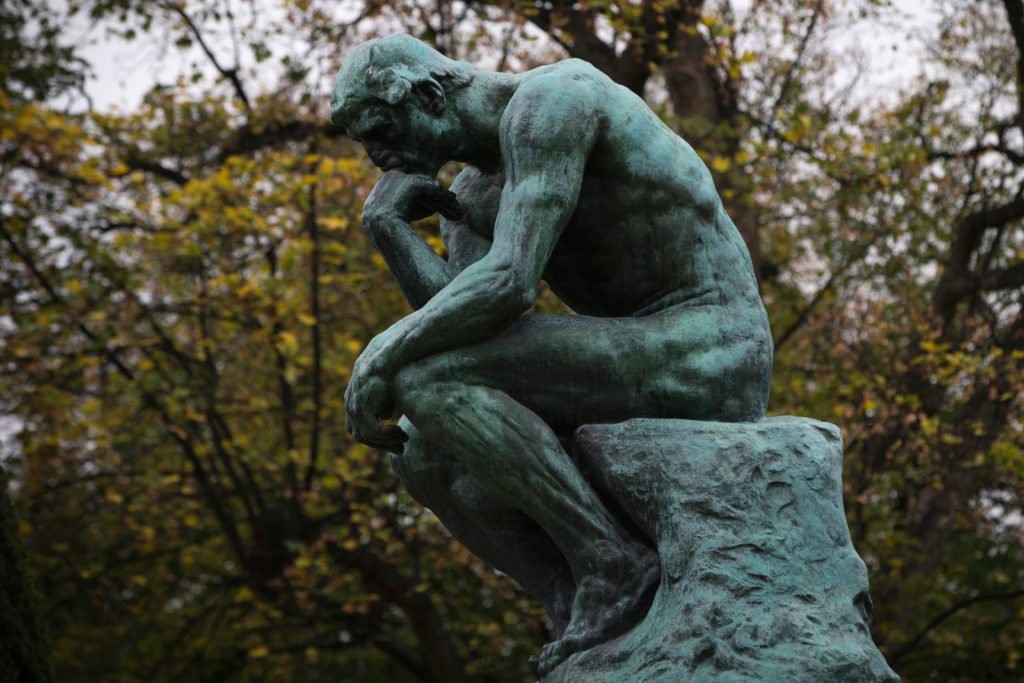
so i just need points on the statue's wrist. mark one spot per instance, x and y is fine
(379, 357)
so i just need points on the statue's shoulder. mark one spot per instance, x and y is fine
(550, 98)
(569, 76)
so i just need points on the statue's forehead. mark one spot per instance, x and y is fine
(360, 114)
(349, 90)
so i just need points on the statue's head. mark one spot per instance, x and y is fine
(391, 94)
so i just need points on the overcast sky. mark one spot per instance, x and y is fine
(124, 71)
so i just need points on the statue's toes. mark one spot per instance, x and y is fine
(554, 654)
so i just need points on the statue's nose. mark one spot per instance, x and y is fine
(335, 110)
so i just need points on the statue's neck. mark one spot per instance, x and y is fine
(480, 107)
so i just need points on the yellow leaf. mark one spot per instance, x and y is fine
(289, 342)
(721, 164)
(259, 652)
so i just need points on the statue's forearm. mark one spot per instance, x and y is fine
(420, 272)
(477, 304)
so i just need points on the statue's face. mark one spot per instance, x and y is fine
(403, 136)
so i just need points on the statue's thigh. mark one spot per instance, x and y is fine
(574, 370)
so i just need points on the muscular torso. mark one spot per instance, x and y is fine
(648, 229)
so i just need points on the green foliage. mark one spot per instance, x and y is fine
(185, 287)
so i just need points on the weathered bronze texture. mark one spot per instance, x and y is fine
(571, 179)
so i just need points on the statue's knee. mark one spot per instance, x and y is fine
(424, 389)
(414, 386)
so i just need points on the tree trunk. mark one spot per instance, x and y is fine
(24, 657)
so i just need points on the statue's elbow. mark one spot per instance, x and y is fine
(510, 294)
(516, 298)
(379, 226)
(373, 218)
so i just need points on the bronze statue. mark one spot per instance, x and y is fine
(571, 179)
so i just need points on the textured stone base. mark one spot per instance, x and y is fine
(760, 581)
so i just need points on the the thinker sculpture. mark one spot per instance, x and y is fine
(571, 179)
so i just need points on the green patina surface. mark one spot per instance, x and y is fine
(760, 581)
(571, 179)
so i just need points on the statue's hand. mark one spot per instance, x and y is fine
(409, 197)
(370, 398)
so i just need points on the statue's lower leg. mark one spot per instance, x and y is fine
(492, 529)
(515, 453)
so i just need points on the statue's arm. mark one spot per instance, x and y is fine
(547, 135)
(396, 200)
(420, 272)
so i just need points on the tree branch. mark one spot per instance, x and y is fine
(1005, 278)
(957, 280)
(229, 74)
(1015, 15)
(437, 650)
(206, 485)
(315, 337)
(1015, 157)
(137, 163)
(804, 313)
(901, 651)
(787, 80)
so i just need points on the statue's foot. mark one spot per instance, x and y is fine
(606, 606)
(557, 598)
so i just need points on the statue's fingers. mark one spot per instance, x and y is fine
(444, 201)
(386, 437)
(449, 207)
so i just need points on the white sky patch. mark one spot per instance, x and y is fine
(124, 71)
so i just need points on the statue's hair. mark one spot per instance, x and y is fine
(392, 68)
(396, 64)
(402, 50)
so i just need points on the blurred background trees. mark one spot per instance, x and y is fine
(185, 286)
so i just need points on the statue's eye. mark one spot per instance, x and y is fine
(377, 132)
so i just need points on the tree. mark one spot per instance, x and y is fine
(186, 286)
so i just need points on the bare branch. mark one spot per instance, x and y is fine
(315, 336)
(1011, 277)
(804, 313)
(957, 280)
(229, 74)
(1015, 157)
(901, 651)
(137, 163)
(794, 65)
(1015, 15)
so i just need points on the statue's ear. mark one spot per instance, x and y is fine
(432, 95)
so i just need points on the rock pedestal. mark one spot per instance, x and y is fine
(760, 581)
